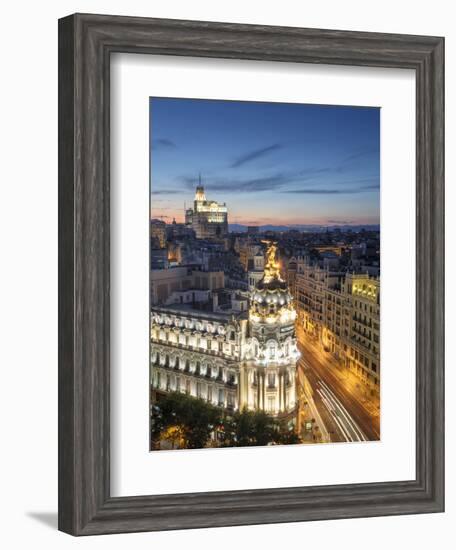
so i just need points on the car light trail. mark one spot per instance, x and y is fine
(340, 413)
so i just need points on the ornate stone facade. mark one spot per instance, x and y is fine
(231, 359)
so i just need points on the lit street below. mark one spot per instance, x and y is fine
(338, 396)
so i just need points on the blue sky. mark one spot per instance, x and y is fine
(270, 162)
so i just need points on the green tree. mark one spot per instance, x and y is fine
(286, 435)
(248, 428)
(194, 417)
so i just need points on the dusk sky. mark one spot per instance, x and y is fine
(272, 163)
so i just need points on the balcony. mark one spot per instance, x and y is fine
(188, 347)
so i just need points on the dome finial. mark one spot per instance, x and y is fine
(272, 267)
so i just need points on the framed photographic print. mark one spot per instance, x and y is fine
(264, 307)
(251, 274)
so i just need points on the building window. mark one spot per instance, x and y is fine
(272, 351)
(271, 404)
(271, 380)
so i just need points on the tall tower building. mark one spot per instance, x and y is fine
(270, 374)
(209, 219)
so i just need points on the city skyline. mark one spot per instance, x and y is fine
(301, 164)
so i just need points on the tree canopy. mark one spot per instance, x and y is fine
(188, 422)
(194, 418)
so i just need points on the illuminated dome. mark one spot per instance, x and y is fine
(271, 301)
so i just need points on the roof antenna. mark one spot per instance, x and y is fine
(199, 179)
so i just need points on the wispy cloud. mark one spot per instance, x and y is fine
(301, 182)
(361, 154)
(162, 144)
(347, 163)
(343, 191)
(308, 173)
(166, 191)
(256, 154)
(160, 216)
(243, 185)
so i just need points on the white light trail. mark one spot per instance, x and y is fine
(341, 410)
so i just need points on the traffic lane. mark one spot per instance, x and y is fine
(310, 349)
(341, 416)
(370, 425)
(335, 433)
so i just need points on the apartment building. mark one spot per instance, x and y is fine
(340, 312)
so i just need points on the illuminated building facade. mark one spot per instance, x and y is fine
(271, 376)
(209, 219)
(341, 312)
(198, 353)
(362, 353)
(242, 357)
(158, 233)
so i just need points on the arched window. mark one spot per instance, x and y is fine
(272, 350)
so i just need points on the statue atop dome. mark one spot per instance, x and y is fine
(272, 267)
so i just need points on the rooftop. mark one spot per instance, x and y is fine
(191, 311)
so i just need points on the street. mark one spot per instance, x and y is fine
(346, 411)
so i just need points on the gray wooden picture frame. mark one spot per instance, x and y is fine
(85, 45)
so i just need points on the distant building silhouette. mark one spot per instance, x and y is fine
(209, 219)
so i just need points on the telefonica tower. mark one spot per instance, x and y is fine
(209, 219)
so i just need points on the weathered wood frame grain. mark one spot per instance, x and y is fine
(85, 45)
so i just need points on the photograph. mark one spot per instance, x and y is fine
(264, 273)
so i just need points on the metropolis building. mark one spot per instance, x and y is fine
(242, 357)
